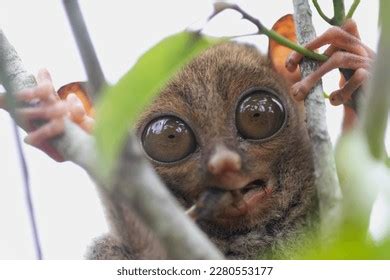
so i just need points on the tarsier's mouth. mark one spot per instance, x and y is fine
(253, 186)
(251, 195)
(218, 203)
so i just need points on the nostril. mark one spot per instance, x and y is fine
(224, 167)
(223, 160)
(224, 163)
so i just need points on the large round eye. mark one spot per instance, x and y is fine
(259, 115)
(168, 139)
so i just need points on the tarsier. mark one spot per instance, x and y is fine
(232, 120)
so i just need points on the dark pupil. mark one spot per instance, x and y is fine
(168, 139)
(259, 115)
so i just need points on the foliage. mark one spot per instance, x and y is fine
(362, 178)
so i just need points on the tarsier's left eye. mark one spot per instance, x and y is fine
(259, 115)
(168, 139)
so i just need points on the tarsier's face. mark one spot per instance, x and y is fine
(226, 121)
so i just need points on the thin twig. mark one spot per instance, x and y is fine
(339, 12)
(221, 6)
(91, 63)
(320, 12)
(352, 9)
(27, 191)
(10, 103)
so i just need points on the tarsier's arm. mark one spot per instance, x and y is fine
(129, 238)
(347, 51)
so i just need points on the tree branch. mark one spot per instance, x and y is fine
(179, 235)
(75, 145)
(327, 184)
(14, 78)
(91, 63)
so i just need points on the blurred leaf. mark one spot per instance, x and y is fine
(121, 104)
(361, 178)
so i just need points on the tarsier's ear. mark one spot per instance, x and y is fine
(80, 89)
(278, 54)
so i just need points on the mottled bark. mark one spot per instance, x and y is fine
(327, 184)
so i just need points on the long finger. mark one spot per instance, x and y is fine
(76, 108)
(343, 95)
(47, 131)
(44, 93)
(43, 113)
(338, 60)
(335, 36)
(351, 28)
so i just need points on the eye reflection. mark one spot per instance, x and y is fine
(259, 115)
(168, 139)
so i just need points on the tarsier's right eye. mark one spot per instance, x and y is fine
(168, 139)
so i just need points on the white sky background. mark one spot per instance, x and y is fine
(68, 209)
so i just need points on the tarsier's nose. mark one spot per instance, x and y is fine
(223, 160)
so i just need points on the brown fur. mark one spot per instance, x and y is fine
(204, 94)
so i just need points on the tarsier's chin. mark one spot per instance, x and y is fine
(227, 123)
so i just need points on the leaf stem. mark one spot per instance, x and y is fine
(320, 12)
(290, 44)
(352, 9)
(339, 12)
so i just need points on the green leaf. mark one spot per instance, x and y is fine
(121, 104)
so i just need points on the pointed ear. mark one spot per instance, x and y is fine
(80, 89)
(278, 54)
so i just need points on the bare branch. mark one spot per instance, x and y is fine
(327, 184)
(179, 235)
(91, 63)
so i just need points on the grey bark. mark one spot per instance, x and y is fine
(91, 63)
(141, 186)
(327, 184)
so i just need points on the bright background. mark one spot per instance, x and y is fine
(68, 210)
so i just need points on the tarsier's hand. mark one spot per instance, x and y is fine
(52, 109)
(345, 51)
